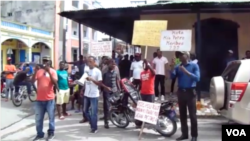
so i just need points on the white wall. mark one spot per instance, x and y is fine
(36, 13)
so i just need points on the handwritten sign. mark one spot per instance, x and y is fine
(176, 40)
(147, 112)
(101, 48)
(148, 33)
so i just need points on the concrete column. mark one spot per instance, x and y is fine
(29, 54)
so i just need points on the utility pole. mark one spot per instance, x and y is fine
(65, 27)
(80, 39)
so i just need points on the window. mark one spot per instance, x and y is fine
(18, 14)
(74, 54)
(230, 72)
(75, 33)
(10, 14)
(28, 11)
(85, 33)
(75, 3)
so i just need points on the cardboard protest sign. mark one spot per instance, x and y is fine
(147, 112)
(176, 40)
(101, 48)
(148, 32)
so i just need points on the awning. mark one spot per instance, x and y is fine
(118, 22)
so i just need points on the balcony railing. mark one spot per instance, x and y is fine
(24, 28)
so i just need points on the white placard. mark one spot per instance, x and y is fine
(101, 48)
(147, 112)
(176, 40)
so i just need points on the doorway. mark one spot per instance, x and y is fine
(217, 37)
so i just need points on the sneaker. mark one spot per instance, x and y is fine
(38, 138)
(50, 137)
(93, 131)
(162, 98)
(156, 98)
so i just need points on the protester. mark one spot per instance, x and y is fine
(131, 58)
(124, 67)
(147, 85)
(116, 59)
(111, 84)
(147, 82)
(154, 55)
(188, 74)
(9, 70)
(136, 69)
(63, 95)
(91, 94)
(46, 79)
(80, 65)
(22, 78)
(30, 68)
(193, 58)
(230, 57)
(160, 65)
(247, 55)
(177, 62)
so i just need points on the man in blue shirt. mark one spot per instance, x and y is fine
(188, 74)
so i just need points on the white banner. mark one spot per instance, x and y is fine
(176, 40)
(147, 112)
(101, 48)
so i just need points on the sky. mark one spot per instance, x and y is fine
(120, 3)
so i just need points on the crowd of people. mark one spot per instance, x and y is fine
(56, 88)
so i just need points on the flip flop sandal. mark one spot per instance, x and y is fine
(61, 117)
(67, 114)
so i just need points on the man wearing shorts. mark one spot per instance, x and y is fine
(9, 69)
(63, 95)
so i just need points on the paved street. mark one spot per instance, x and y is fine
(70, 130)
(11, 114)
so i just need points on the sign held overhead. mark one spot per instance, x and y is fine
(101, 48)
(176, 40)
(148, 32)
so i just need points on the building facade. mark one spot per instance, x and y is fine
(45, 16)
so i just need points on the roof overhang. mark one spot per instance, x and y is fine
(118, 22)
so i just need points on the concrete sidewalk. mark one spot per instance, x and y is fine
(70, 130)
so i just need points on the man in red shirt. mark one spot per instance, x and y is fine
(46, 78)
(147, 82)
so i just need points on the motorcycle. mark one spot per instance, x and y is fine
(123, 112)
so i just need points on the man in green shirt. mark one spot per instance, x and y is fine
(63, 95)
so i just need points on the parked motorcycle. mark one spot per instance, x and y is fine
(123, 111)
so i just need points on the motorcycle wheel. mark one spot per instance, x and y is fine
(16, 102)
(161, 126)
(32, 97)
(119, 119)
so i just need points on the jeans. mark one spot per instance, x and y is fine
(24, 83)
(9, 86)
(159, 79)
(106, 106)
(90, 109)
(41, 107)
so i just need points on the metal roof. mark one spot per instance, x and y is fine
(118, 22)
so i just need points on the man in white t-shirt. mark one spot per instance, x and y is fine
(91, 94)
(136, 69)
(160, 65)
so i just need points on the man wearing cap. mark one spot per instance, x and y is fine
(230, 57)
(46, 78)
(188, 74)
(136, 69)
(9, 69)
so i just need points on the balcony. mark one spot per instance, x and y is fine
(16, 27)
